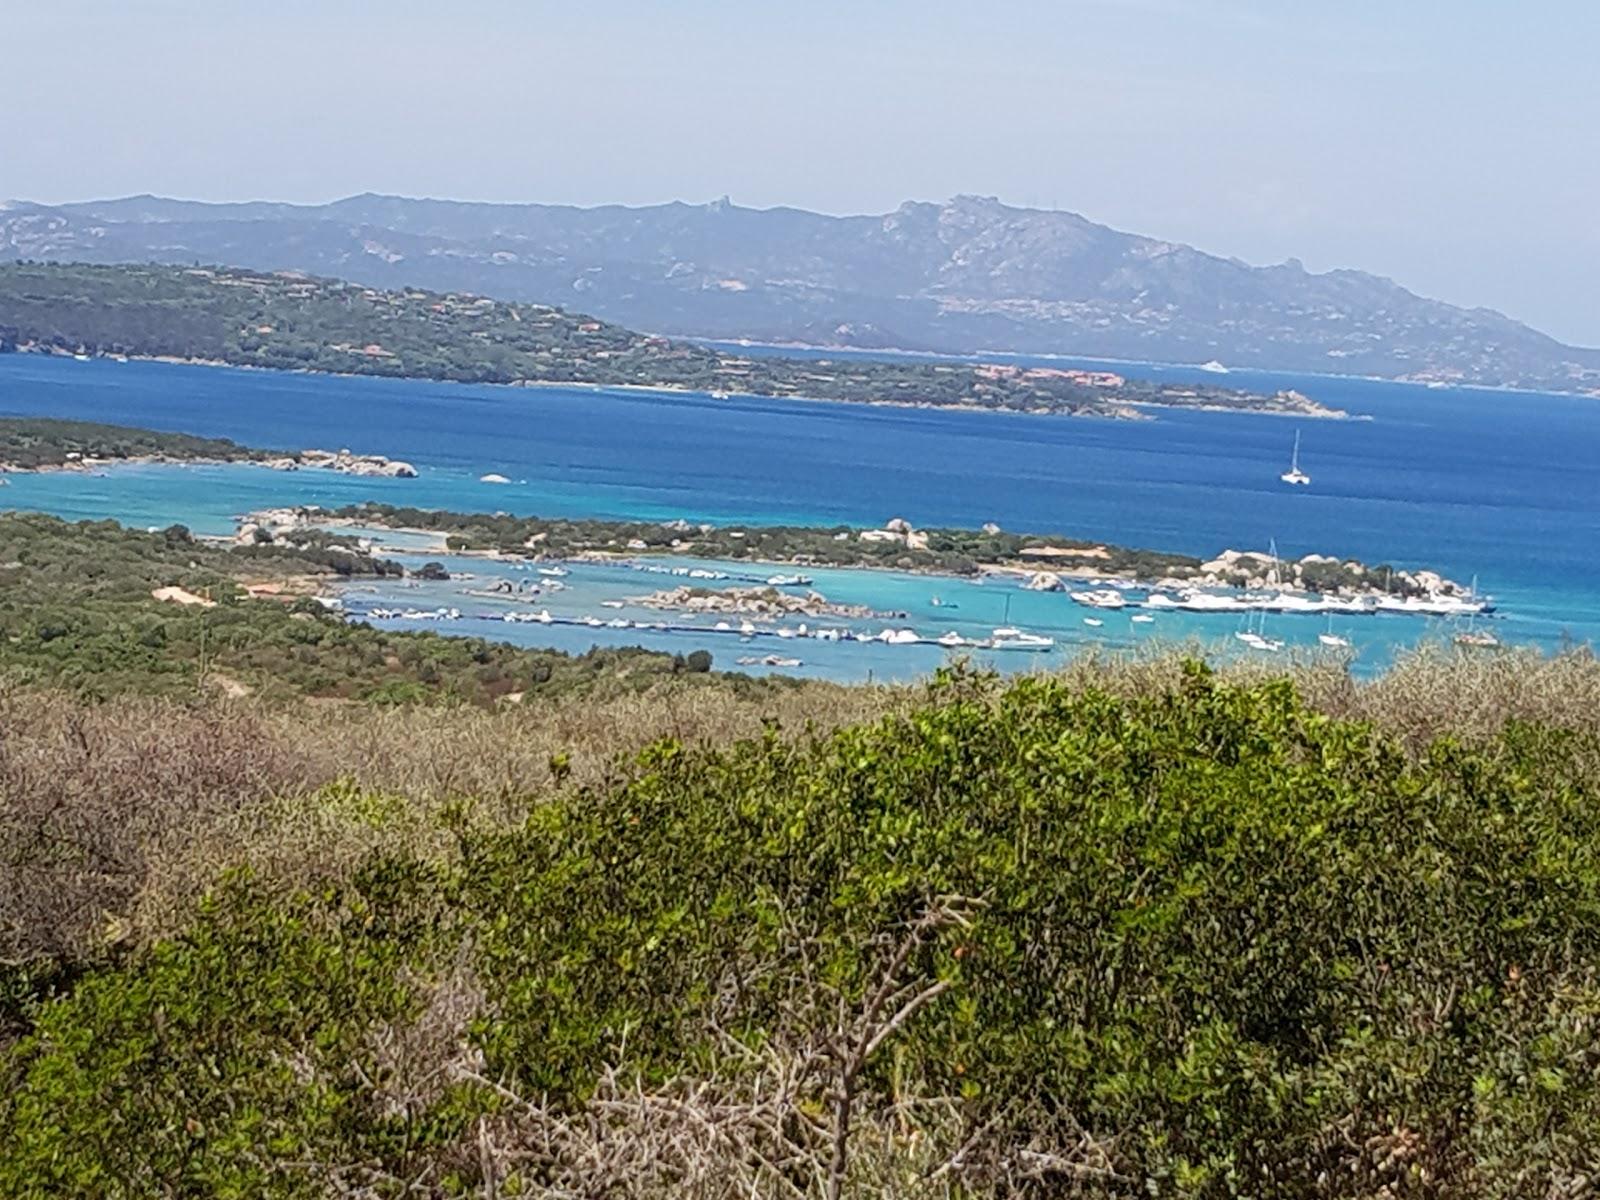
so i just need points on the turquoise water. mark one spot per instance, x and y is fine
(1502, 486)
(966, 607)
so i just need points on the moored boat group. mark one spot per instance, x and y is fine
(1199, 600)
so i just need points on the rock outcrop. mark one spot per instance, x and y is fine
(345, 463)
(755, 602)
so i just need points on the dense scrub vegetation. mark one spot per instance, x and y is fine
(76, 608)
(295, 322)
(1132, 930)
(28, 443)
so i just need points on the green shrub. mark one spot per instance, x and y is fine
(1239, 947)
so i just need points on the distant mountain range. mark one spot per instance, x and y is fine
(967, 275)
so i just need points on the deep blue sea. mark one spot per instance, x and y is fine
(1502, 486)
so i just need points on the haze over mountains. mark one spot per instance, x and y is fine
(966, 275)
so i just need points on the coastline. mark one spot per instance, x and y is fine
(1111, 360)
(1114, 410)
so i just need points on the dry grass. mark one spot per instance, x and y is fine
(115, 816)
(1433, 691)
(89, 794)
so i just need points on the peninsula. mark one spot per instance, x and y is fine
(232, 317)
(1046, 562)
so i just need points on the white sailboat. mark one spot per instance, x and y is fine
(1294, 474)
(1256, 638)
(1472, 635)
(1332, 639)
(1263, 642)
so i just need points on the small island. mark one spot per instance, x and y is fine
(30, 444)
(287, 321)
(767, 603)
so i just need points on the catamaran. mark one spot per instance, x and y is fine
(1294, 474)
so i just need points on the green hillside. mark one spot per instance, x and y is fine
(293, 322)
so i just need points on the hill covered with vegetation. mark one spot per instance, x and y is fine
(294, 322)
(1124, 932)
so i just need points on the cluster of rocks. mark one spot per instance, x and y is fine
(754, 602)
(273, 524)
(345, 463)
(1254, 569)
(1300, 404)
(294, 527)
(899, 531)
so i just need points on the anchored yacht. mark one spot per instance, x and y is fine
(1294, 474)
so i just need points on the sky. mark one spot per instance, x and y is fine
(1448, 144)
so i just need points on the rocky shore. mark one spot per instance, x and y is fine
(344, 462)
(1252, 570)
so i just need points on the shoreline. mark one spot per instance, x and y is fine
(132, 460)
(368, 466)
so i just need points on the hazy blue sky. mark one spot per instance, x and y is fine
(1450, 144)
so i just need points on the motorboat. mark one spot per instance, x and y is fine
(1103, 598)
(1009, 637)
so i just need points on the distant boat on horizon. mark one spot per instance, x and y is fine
(1294, 474)
(1214, 367)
